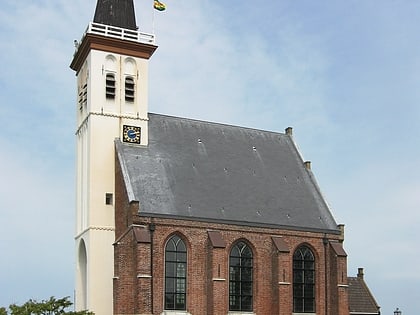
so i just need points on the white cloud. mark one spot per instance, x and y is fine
(344, 75)
(237, 76)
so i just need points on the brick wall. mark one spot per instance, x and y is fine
(139, 264)
(208, 274)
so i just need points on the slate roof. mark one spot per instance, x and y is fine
(361, 300)
(214, 172)
(118, 13)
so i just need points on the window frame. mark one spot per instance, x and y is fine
(175, 274)
(304, 280)
(241, 278)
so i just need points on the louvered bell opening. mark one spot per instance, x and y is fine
(129, 89)
(81, 100)
(110, 86)
(83, 97)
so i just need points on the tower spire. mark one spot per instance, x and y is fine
(118, 13)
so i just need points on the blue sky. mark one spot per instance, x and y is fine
(343, 74)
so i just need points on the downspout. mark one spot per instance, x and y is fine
(152, 228)
(325, 242)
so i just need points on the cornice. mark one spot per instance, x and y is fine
(112, 45)
(84, 122)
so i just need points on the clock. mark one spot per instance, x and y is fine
(131, 134)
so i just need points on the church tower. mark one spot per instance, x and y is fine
(111, 65)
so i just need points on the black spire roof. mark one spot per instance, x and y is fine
(118, 13)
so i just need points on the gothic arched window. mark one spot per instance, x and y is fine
(303, 280)
(240, 277)
(175, 274)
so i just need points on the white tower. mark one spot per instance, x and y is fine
(111, 64)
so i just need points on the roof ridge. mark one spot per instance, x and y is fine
(218, 124)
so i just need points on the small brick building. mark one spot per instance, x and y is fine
(218, 219)
(361, 300)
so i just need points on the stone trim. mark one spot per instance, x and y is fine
(97, 228)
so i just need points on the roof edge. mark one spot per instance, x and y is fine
(314, 181)
(241, 223)
(124, 171)
(370, 293)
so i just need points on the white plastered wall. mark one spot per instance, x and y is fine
(99, 122)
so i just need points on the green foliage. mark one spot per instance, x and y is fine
(52, 306)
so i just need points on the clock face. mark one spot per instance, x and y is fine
(131, 134)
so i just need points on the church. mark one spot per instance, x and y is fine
(176, 216)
